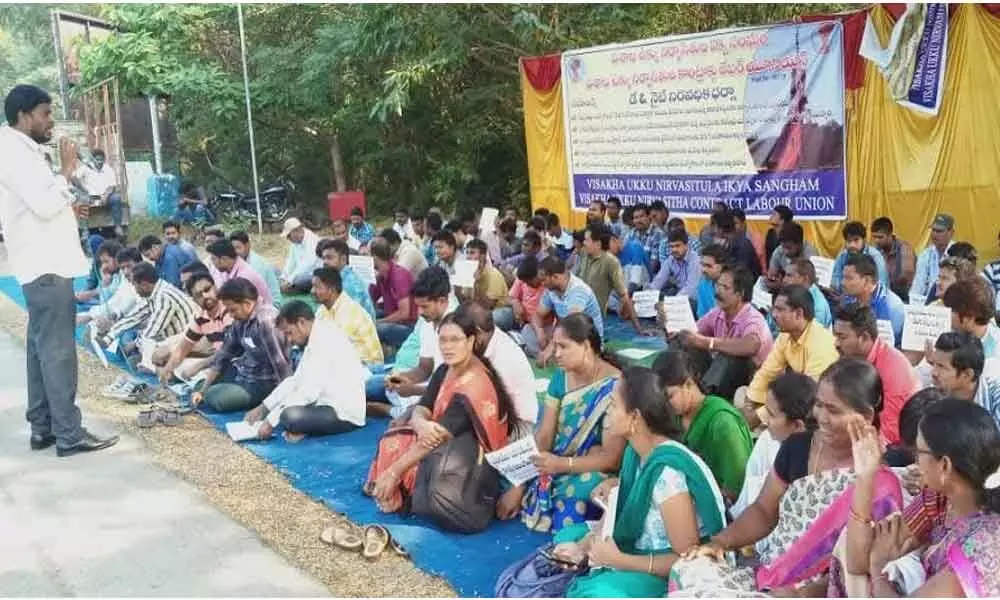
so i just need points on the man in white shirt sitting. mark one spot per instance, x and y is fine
(323, 396)
(122, 297)
(510, 363)
(101, 182)
(296, 277)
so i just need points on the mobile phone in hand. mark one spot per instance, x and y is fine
(552, 557)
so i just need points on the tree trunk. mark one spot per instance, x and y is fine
(339, 177)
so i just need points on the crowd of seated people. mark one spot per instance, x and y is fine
(786, 450)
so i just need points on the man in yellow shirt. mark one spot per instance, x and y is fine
(804, 346)
(347, 313)
(490, 289)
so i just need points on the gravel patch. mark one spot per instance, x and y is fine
(245, 487)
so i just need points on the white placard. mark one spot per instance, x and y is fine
(824, 270)
(678, 315)
(96, 346)
(146, 348)
(488, 220)
(645, 303)
(635, 353)
(917, 300)
(522, 228)
(353, 243)
(761, 297)
(885, 332)
(923, 324)
(364, 266)
(513, 461)
(241, 431)
(610, 514)
(465, 273)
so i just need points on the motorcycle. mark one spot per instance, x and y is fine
(235, 205)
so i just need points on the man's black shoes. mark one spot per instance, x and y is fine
(88, 443)
(42, 441)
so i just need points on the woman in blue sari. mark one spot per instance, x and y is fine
(576, 452)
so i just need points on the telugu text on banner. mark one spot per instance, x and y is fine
(752, 117)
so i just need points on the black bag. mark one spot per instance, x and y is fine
(456, 488)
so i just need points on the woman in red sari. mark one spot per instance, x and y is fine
(464, 394)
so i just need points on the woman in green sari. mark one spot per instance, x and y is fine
(667, 501)
(713, 428)
(576, 452)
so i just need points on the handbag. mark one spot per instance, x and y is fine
(456, 488)
(535, 576)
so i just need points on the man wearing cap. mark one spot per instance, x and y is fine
(296, 277)
(942, 232)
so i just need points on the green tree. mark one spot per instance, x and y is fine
(418, 105)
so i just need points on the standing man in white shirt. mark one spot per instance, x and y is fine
(323, 396)
(43, 247)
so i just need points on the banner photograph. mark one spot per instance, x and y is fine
(750, 117)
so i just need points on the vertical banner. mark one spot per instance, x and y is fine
(751, 117)
(913, 63)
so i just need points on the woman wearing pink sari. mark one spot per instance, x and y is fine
(953, 525)
(804, 506)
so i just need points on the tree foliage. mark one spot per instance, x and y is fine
(421, 102)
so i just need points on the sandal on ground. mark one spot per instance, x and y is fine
(142, 394)
(399, 550)
(170, 417)
(376, 540)
(156, 415)
(148, 418)
(344, 535)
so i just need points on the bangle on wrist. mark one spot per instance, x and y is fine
(711, 344)
(860, 519)
(570, 468)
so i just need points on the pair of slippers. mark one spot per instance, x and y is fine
(372, 540)
(154, 415)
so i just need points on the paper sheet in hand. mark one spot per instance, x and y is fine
(885, 332)
(761, 297)
(824, 270)
(242, 431)
(96, 346)
(678, 314)
(645, 303)
(541, 385)
(465, 273)
(488, 220)
(353, 243)
(146, 348)
(513, 461)
(924, 323)
(917, 300)
(610, 514)
(364, 266)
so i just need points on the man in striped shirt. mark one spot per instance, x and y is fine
(193, 351)
(167, 311)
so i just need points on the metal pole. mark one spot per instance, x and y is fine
(154, 121)
(246, 93)
(57, 42)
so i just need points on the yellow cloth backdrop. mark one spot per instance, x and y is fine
(900, 163)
